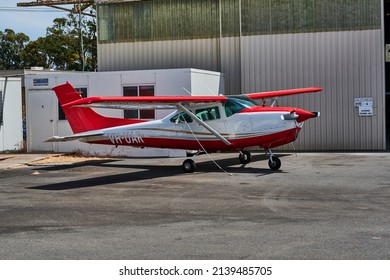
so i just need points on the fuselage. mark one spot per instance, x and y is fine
(239, 120)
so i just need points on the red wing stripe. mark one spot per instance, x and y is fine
(270, 94)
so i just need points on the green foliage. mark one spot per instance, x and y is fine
(12, 49)
(60, 50)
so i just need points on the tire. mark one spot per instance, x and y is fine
(245, 157)
(275, 164)
(189, 166)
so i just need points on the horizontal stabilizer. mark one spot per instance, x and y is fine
(79, 136)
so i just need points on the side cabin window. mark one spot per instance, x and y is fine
(181, 118)
(235, 105)
(204, 114)
(208, 114)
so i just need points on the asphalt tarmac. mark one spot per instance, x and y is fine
(318, 206)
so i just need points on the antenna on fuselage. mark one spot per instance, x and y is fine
(189, 92)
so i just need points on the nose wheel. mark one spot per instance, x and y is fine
(274, 162)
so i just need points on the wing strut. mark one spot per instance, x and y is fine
(202, 123)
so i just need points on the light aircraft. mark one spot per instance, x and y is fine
(200, 123)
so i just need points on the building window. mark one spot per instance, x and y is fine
(61, 114)
(144, 90)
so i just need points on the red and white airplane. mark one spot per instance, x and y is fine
(201, 123)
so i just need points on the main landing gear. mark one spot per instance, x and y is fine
(189, 166)
(274, 162)
(244, 157)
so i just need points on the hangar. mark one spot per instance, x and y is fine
(262, 45)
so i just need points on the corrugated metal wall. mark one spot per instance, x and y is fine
(346, 64)
(202, 53)
(345, 58)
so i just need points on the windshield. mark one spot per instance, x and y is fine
(236, 104)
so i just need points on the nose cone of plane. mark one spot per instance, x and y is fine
(305, 115)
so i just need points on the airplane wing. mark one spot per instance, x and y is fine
(171, 102)
(279, 93)
(145, 102)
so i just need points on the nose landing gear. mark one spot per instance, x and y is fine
(274, 162)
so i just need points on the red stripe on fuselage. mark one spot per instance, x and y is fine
(264, 141)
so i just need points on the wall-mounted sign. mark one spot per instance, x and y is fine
(365, 105)
(41, 82)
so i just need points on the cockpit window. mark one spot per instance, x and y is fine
(181, 118)
(236, 104)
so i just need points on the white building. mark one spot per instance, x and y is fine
(11, 131)
(45, 119)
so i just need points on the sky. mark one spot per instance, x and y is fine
(30, 21)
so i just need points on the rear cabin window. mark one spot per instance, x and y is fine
(208, 114)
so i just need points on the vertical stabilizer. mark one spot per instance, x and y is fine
(83, 119)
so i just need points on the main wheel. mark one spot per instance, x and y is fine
(189, 166)
(245, 157)
(275, 164)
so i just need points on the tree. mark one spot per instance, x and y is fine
(60, 45)
(35, 54)
(63, 48)
(85, 43)
(68, 48)
(12, 49)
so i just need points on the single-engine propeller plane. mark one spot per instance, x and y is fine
(200, 123)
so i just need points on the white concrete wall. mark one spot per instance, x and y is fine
(11, 132)
(42, 104)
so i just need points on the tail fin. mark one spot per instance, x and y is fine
(84, 119)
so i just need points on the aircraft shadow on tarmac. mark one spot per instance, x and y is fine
(230, 165)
